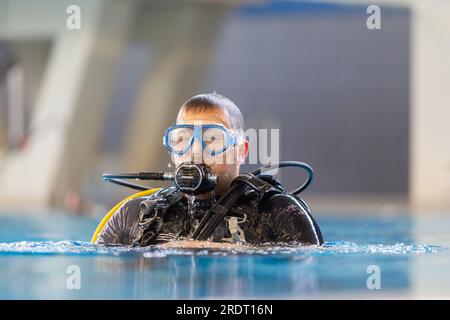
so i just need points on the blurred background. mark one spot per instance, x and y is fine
(368, 109)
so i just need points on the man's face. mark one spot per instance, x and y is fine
(226, 164)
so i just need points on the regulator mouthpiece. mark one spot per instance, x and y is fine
(194, 179)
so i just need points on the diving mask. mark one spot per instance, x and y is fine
(214, 138)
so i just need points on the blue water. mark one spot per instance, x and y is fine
(411, 253)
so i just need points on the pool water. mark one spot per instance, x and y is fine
(49, 257)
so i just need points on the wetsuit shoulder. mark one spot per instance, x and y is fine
(290, 220)
(122, 224)
(122, 227)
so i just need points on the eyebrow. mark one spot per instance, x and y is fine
(215, 123)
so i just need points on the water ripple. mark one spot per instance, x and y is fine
(329, 248)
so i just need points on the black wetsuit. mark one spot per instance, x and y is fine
(280, 218)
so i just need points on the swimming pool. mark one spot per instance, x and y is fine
(411, 254)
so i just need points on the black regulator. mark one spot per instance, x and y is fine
(191, 179)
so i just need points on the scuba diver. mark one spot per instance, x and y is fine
(210, 199)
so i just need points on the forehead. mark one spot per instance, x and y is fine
(204, 117)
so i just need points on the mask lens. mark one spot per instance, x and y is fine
(180, 138)
(215, 139)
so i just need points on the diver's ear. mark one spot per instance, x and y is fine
(244, 150)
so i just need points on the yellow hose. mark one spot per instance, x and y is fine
(116, 207)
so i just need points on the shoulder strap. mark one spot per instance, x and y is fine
(220, 209)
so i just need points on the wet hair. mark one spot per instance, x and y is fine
(216, 102)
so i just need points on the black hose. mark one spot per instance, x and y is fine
(124, 183)
(137, 176)
(285, 164)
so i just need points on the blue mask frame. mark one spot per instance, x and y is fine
(230, 138)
